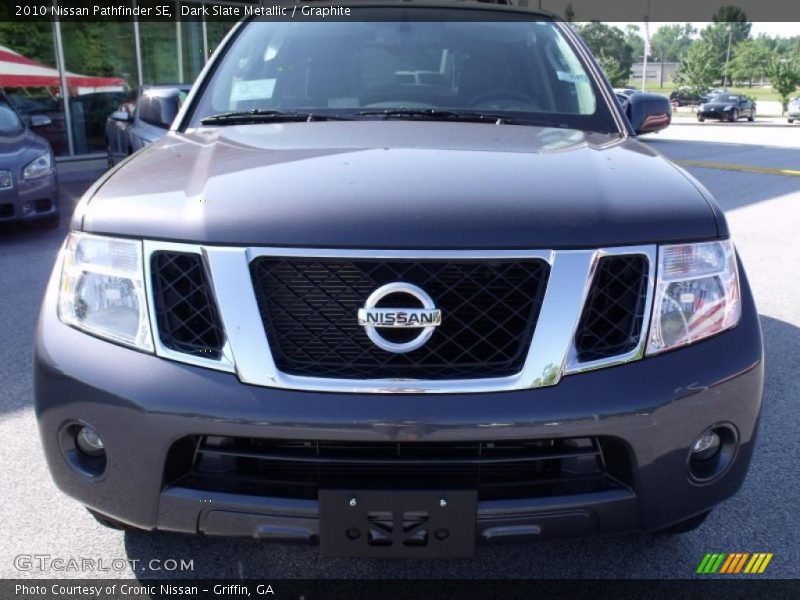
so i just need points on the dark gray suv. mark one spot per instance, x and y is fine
(398, 283)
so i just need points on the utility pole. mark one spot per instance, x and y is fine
(727, 58)
(646, 47)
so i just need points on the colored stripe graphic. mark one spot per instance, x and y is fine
(718, 564)
(731, 563)
(764, 564)
(701, 568)
(740, 564)
(727, 564)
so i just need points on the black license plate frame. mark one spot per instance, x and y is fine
(397, 523)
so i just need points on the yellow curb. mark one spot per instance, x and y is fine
(743, 168)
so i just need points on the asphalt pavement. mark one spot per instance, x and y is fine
(764, 214)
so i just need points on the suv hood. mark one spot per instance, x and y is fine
(399, 184)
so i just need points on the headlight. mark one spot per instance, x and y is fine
(43, 165)
(728, 107)
(102, 289)
(696, 296)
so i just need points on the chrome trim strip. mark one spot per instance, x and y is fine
(547, 255)
(233, 287)
(247, 351)
(225, 362)
(558, 318)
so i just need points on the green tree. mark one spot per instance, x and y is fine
(697, 69)
(730, 27)
(569, 13)
(608, 45)
(750, 61)
(784, 75)
(31, 39)
(670, 42)
(634, 39)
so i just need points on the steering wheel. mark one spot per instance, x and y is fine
(513, 96)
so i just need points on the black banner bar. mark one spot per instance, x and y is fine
(734, 588)
(357, 10)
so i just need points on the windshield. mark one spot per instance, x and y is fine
(521, 68)
(723, 98)
(9, 121)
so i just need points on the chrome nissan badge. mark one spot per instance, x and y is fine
(372, 317)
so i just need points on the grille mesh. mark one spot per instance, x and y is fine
(309, 309)
(611, 323)
(299, 468)
(185, 310)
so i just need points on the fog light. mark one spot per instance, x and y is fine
(706, 445)
(27, 208)
(89, 442)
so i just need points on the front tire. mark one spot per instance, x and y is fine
(684, 526)
(790, 121)
(734, 116)
(752, 116)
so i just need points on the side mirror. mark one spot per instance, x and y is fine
(121, 115)
(648, 112)
(40, 121)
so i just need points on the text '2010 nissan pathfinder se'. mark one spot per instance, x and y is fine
(397, 284)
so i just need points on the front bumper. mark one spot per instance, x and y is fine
(141, 405)
(30, 199)
(716, 114)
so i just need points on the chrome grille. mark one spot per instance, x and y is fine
(309, 308)
(184, 305)
(546, 353)
(613, 316)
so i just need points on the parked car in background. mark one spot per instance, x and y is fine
(43, 103)
(143, 117)
(727, 107)
(794, 110)
(685, 97)
(28, 180)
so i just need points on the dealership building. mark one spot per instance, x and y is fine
(78, 72)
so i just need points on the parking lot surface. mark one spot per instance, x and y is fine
(764, 215)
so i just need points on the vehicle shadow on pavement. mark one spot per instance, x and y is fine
(759, 518)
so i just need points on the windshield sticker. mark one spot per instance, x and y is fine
(252, 89)
(343, 103)
(573, 77)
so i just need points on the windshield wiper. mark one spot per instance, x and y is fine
(436, 114)
(266, 116)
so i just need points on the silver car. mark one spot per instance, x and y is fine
(143, 117)
(794, 109)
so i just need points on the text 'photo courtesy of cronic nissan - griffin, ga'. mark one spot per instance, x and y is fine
(398, 285)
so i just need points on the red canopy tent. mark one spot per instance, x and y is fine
(19, 71)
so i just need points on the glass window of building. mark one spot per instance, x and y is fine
(159, 49)
(29, 78)
(104, 53)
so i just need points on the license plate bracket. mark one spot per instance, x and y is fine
(397, 524)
